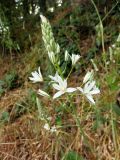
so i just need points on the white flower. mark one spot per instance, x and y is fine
(53, 129)
(89, 90)
(42, 93)
(37, 76)
(66, 55)
(88, 76)
(55, 78)
(43, 18)
(60, 85)
(47, 127)
(75, 58)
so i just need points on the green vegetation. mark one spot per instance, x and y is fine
(60, 79)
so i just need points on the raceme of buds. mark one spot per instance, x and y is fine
(51, 46)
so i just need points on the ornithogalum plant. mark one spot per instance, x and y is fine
(88, 87)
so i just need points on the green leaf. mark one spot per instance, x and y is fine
(113, 81)
(72, 155)
(59, 121)
(5, 116)
(116, 109)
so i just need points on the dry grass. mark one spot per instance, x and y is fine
(25, 138)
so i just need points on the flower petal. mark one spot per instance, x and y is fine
(42, 93)
(53, 129)
(75, 58)
(55, 78)
(32, 79)
(90, 98)
(70, 90)
(56, 86)
(95, 91)
(40, 75)
(88, 76)
(88, 86)
(36, 76)
(47, 127)
(80, 89)
(58, 94)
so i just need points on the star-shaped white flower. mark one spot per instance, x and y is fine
(88, 90)
(60, 85)
(37, 76)
(75, 58)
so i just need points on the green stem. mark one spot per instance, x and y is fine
(102, 32)
(110, 11)
(70, 72)
(59, 70)
(101, 28)
(113, 129)
(78, 123)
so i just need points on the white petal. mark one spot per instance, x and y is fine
(37, 76)
(58, 94)
(75, 58)
(70, 90)
(52, 78)
(42, 93)
(80, 89)
(53, 129)
(95, 91)
(32, 79)
(88, 86)
(88, 76)
(63, 84)
(56, 86)
(47, 127)
(90, 98)
(40, 75)
(55, 78)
